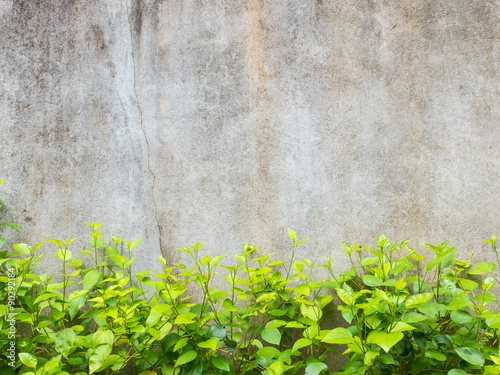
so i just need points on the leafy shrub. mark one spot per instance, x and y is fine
(403, 317)
(408, 324)
(112, 318)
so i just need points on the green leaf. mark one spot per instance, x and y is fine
(301, 343)
(473, 356)
(142, 274)
(315, 368)
(448, 260)
(133, 245)
(186, 250)
(102, 337)
(98, 357)
(276, 323)
(22, 248)
(291, 233)
(368, 260)
(386, 359)
(75, 305)
(294, 325)
(156, 313)
(186, 318)
(28, 359)
(181, 343)
(467, 284)
(347, 295)
(302, 289)
(401, 327)
(268, 352)
(417, 300)
(186, 357)
(211, 343)
(401, 266)
(485, 297)
(277, 368)
(385, 340)
(65, 340)
(461, 317)
(433, 263)
(372, 280)
(90, 279)
(271, 335)
(488, 283)
(64, 255)
(299, 242)
(412, 317)
(128, 262)
(456, 372)
(216, 260)
(298, 266)
(459, 303)
(12, 225)
(221, 363)
(434, 354)
(431, 308)
(312, 312)
(218, 331)
(419, 364)
(338, 335)
(193, 368)
(482, 268)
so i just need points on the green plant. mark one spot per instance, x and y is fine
(248, 328)
(404, 323)
(404, 316)
(94, 319)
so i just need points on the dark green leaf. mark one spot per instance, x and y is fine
(221, 363)
(218, 331)
(186, 357)
(473, 356)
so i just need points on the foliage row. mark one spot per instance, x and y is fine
(402, 316)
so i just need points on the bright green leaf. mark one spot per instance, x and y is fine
(301, 343)
(292, 234)
(271, 335)
(186, 318)
(211, 343)
(385, 340)
(338, 335)
(28, 359)
(418, 299)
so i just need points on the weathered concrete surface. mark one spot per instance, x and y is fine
(225, 122)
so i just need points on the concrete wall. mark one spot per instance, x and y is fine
(229, 121)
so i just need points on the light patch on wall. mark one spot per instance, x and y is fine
(5, 7)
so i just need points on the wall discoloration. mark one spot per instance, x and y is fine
(191, 121)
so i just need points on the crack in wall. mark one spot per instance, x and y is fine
(141, 117)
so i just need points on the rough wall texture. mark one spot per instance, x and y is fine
(228, 121)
